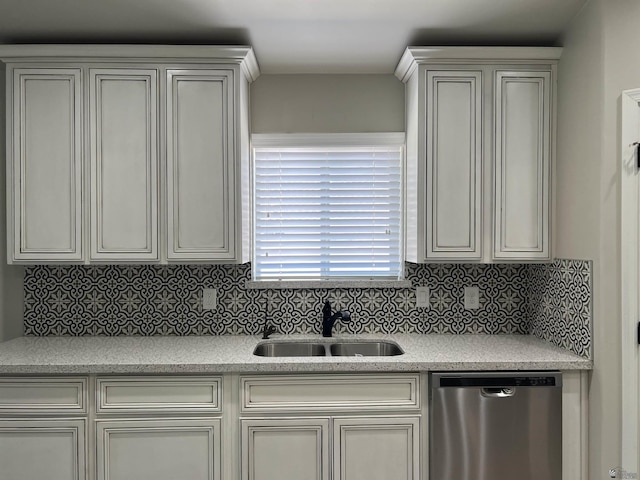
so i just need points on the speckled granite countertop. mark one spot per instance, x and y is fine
(231, 353)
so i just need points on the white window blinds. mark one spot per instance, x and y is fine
(327, 211)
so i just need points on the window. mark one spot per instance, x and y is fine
(327, 206)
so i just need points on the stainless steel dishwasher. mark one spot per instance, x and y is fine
(493, 426)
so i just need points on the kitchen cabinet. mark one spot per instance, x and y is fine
(376, 448)
(200, 133)
(37, 449)
(480, 148)
(43, 428)
(285, 449)
(172, 428)
(158, 449)
(128, 154)
(290, 441)
(44, 164)
(123, 106)
(385, 448)
(328, 426)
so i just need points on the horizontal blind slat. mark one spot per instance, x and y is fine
(327, 212)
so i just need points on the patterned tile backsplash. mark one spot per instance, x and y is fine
(560, 306)
(167, 300)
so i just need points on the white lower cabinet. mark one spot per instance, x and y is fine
(331, 426)
(229, 427)
(376, 448)
(303, 448)
(285, 449)
(158, 449)
(42, 449)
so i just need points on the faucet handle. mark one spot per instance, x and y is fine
(346, 316)
(267, 329)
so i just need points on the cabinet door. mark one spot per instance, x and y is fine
(124, 183)
(201, 197)
(38, 449)
(158, 449)
(45, 176)
(454, 165)
(522, 165)
(285, 449)
(383, 448)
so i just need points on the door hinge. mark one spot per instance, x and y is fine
(638, 333)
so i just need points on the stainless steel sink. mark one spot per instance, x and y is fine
(365, 349)
(337, 349)
(290, 349)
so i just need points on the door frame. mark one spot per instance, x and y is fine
(630, 277)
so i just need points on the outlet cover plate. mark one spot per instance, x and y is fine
(471, 298)
(422, 297)
(209, 298)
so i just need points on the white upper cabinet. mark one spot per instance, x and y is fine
(480, 139)
(44, 164)
(128, 153)
(124, 164)
(454, 164)
(522, 164)
(200, 177)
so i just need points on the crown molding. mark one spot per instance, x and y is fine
(414, 56)
(240, 55)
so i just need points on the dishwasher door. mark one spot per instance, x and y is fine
(492, 426)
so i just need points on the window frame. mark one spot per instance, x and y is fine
(330, 140)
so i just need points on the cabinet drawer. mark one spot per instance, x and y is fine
(158, 394)
(288, 393)
(42, 395)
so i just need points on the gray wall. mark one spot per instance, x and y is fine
(327, 104)
(598, 63)
(11, 303)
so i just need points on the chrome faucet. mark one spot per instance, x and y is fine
(328, 319)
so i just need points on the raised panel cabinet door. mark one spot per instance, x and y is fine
(124, 164)
(285, 449)
(158, 449)
(454, 165)
(522, 165)
(42, 449)
(201, 169)
(370, 448)
(45, 175)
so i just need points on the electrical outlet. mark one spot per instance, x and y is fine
(209, 299)
(422, 297)
(471, 298)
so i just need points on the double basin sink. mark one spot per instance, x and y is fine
(336, 349)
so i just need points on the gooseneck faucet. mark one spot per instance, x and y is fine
(328, 319)
(267, 329)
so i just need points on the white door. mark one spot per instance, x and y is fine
(201, 170)
(630, 282)
(522, 113)
(158, 449)
(42, 449)
(285, 449)
(376, 448)
(124, 163)
(454, 165)
(46, 176)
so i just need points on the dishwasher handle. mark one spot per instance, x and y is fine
(497, 392)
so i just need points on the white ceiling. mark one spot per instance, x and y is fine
(293, 36)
